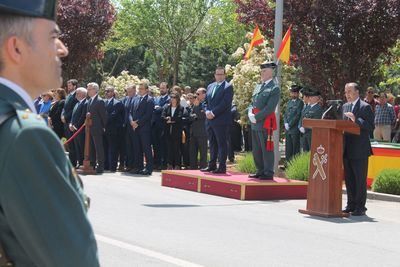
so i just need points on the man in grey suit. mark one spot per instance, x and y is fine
(198, 133)
(97, 110)
(262, 117)
(312, 111)
(291, 122)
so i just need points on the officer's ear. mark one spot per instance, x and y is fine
(14, 48)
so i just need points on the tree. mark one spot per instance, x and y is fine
(85, 25)
(333, 41)
(199, 63)
(164, 26)
(390, 70)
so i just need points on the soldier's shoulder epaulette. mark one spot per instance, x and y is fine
(27, 118)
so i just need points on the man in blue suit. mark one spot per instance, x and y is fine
(357, 149)
(158, 137)
(219, 119)
(115, 120)
(140, 121)
(66, 116)
(127, 159)
(77, 120)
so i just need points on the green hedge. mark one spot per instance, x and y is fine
(299, 167)
(387, 181)
(246, 164)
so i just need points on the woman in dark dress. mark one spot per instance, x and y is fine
(55, 112)
(172, 115)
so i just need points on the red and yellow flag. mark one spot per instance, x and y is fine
(284, 49)
(256, 40)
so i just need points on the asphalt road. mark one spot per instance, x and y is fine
(138, 222)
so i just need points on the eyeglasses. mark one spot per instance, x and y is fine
(370, 92)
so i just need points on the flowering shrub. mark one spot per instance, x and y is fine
(123, 80)
(246, 75)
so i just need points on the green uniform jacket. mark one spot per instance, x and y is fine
(43, 220)
(265, 98)
(292, 114)
(309, 112)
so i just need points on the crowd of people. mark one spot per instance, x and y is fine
(173, 133)
(140, 132)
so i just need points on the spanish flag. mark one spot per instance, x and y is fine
(256, 40)
(284, 49)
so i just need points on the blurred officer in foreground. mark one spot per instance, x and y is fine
(43, 219)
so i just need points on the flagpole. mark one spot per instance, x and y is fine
(277, 43)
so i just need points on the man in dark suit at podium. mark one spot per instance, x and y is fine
(219, 119)
(357, 149)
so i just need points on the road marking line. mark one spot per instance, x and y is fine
(146, 252)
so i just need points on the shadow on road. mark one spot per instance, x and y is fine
(351, 219)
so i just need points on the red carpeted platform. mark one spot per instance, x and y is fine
(234, 185)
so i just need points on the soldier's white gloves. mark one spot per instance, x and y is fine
(287, 126)
(302, 130)
(251, 116)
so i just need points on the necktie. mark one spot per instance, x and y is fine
(351, 107)
(89, 104)
(215, 90)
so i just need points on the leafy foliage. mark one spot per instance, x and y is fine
(333, 41)
(299, 167)
(246, 164)
(387, 181)
(166, 27)
(198, 64)
(390, 70)
(85, 25)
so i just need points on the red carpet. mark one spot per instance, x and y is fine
(234, 185)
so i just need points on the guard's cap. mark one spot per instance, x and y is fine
(310, 92)
(313, 92)
(33, 8)
(268, 64)
(295, 88)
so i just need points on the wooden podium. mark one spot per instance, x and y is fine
(324, 192)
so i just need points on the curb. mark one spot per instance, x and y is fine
(380, 196)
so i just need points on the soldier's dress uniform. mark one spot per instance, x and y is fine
(43, 219)
(291, 118)
(314, 111)
(265, 98)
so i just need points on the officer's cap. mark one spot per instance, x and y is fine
(295, 88)
(32, 8)
(268, 64)
(313, 92)
(307, 91)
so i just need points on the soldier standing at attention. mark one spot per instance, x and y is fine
(291, 121)
(43, 219)
(312, 111)
(263, 122)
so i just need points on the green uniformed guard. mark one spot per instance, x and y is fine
(262, 117)
(43, 219)
(291, 121)
(312, 110)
